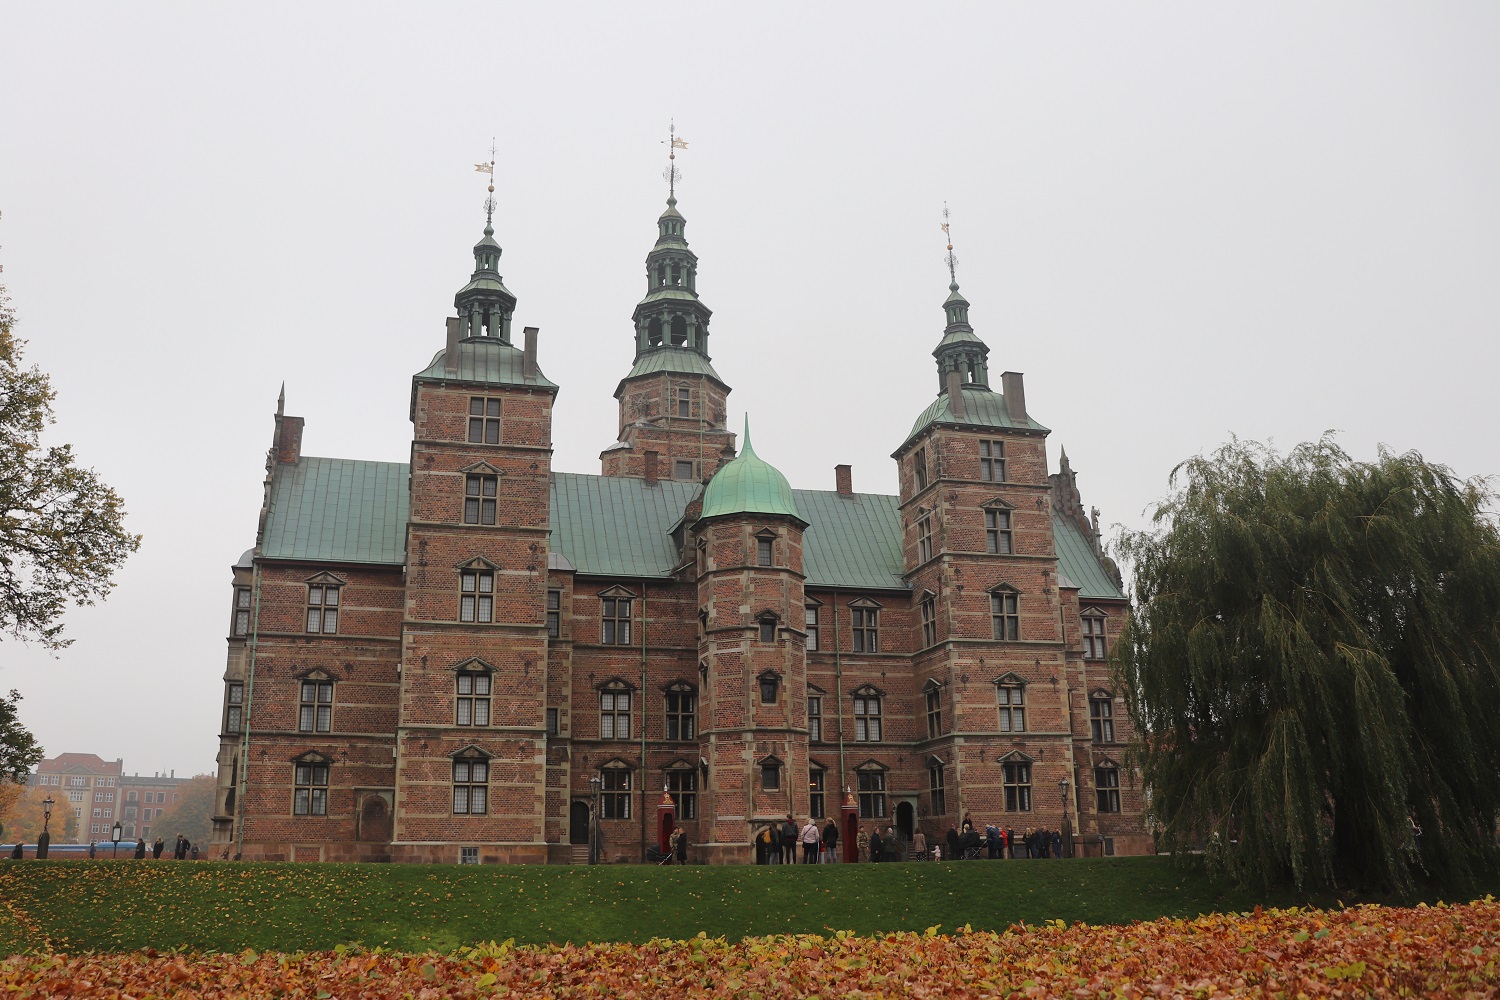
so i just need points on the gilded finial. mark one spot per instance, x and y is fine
(951, 260)
(671, 174)
(489, 202)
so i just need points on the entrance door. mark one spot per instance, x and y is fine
(375, 820)
(578, 823)
(906, 820)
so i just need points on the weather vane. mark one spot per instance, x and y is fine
(952, 260)
(672, 174)
(489, 168)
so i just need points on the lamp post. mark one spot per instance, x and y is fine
(45, 840)
(593, 819)
(117, 832)
(1067, 823)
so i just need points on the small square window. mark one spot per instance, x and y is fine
(768, 690)
(468, 855)
(763, 552)
(770, 777)
(682, 470)
(768, 630)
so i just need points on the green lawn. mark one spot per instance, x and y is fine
(219, 906)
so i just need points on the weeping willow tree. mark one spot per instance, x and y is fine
(1313, 666)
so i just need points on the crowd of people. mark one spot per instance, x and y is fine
(778, 843)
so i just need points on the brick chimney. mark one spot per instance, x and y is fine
(843, 479)
(450, 351)
(528, 356)
(651, 459)
(1015, 396)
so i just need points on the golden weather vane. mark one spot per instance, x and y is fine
(489, 168)
(951, 260)
(673, 144)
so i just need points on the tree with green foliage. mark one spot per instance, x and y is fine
(19, 750)
(1313, 666)
(192, 814)
(62, 533)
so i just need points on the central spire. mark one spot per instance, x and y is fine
(671, 319)
(485, 305)
(960, 349)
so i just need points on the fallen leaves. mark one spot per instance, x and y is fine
(1440, 951)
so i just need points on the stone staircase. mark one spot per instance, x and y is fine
(580, 854)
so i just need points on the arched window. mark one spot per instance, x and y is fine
(653, 332)
(679, 331)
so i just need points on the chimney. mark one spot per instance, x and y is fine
(651, 458)
(450, 353)
(843, 479)
(528, 358)
(956, 394)
(288, 439)
(1015, 396)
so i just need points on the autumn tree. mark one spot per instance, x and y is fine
(62, 533)
(22, 818)
(192, 814)
(1313, 664)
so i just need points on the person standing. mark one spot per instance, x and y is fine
(811, 838)
(773, 844)
(952, 838)
(919, 845)
(681, 846)
(789, 839)
(1057, 844)
(93, 844)
(831, 843)
(877, 846)
(140, 848)
(179, 850)
(156, 849)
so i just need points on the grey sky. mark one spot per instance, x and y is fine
(1181, 221)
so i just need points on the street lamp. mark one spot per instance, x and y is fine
(593, 819)
(47, 805)
(117, 832)
(44, 841)
(1067, 824)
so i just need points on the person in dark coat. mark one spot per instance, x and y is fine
(954, 854)
(789, 840)
(157, 848)
(179, 849)
(969, 842)
(992, 841)
(140, 848)
(1057, 844)
(876, 845)
(17, 853)
(831, 843)
(681, 846)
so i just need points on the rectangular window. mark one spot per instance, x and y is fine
(310, 790)
(1017, 779)
(682, 785)
(242, 611)
(811, 620)
(684, 402)
(476, 599)
(552, 727)
(770, 777)
(768, 630)
(616, 611)
(929, 622)
(323, 609)
(919, 467)
(682, 470)
(1101, 719)
(871, 794)
(768, 690)
(762, 552)
(234, 707)
(1012, 708)
(614, 715)
(992, 461)
(924, 539)
(484, 420)
(468, 855)
(935, 783)
(867, 719)
(682, 708)
(1107, 789)
(554, 614)
(815, 718)
(614, 797)
(479, 499)
(471, 787)
(1093, 638)
(934, 713)
(865, 630)
(997, 537)
(1005, 616)
(817, 779)
(473, 699)
(315, 711)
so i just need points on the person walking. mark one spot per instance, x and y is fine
(92, 845)
(1057, 844)
(140, 848)
(831, 843)
(789, 839)
(157, 848)
(811, 838)
(919, 845)
(953, 854)
(877, 846)
(773, 844)
(179, 850)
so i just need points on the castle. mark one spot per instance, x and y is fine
(465, 657)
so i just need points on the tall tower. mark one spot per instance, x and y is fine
(470, 742)
(672, 403)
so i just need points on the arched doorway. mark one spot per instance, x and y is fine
(375, 820)
(578, 823)
(906, 820)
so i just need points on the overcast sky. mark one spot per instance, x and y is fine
(1180, 221)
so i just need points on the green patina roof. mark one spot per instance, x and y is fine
(982, 408)
(678, 360)
(1077, 562)
(609, 526)
(851, 541)
(486, 360)
(748, 485)
(668, 294)
(338, 510)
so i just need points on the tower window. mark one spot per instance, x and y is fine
(476, 602)
(817, 782)
(1012, 708)
(479, 499)
(867, 717)
(811, 613)
(322, 609)
(1093, 637)
(473, 699)
(234, 707)
(815, 719)
(616, 612)
(866, 631)
(997, 532)
(315, 710)
(919, 467)
(763, 552)
(471, 787)
(992, 461)
(1016, 776)
(768, 630)
(554, 614)
(1102, 718)
(684, 402)
(614, 713)
(614, 798)
(934, 712)
(924, 539)
(1005, 616)
(770, 776)
(770, 685)
(682, 712)
(484, 420)
(1107, 789)
(929, 622)
(938, 787)
(242, 611)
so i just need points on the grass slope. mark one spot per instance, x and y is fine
(80, 905)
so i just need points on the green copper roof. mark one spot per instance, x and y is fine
(609, 526)
(851, 541)
(668, 294)
(982, 408)
(748, 485)
(338, 510)
(488, 361)
(1077, 562)
(678, 360)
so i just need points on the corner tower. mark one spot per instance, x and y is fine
(673, 405)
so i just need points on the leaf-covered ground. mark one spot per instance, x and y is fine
(1440, 951)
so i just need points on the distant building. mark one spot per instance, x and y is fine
(100, 792)
(451, 659)
(143, 799)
